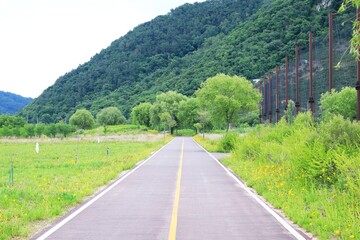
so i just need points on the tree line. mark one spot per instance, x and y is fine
(222, 101)
(218, 103)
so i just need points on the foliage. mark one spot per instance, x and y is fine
(140, 114)
(226, 97)
(204, 118)
(310, 173)
(11, 121)
(124, 129)
(10, 103)
(211, 145)
(125, 74)
(290, 112)
(50, 183)
(38, 130)
(165, 109)
(179, 51)
(229, 141)
(355, 40)
(198, 127)
(188, 112)
(110, 116)
(185, 132)
(339, 103)
(83, 119)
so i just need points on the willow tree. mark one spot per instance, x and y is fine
(355, 40)
(165, 109)
(226, 97)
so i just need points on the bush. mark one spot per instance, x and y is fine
(110, 116)
(316, 171)
(229, 141)
(339, 103)
(82, 119)
(185, 132)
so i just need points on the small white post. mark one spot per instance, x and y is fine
(37, 148)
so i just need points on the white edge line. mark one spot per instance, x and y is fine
(97, 197)
(286, 225)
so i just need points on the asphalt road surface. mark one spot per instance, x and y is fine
(180, 192)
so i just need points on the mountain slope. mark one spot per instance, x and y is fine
(11, 103)
(117, 72)
(180, 50)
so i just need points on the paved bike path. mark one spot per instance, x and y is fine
(181, 192)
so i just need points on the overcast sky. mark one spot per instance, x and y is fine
(41, 40)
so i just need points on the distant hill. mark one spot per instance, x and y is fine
(180, 50)
(11, 103)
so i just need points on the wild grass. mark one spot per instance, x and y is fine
(311, 173)
(211, 145)
(64, 172)
(118, 129)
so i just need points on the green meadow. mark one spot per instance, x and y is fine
(310, 172)
(36, 188)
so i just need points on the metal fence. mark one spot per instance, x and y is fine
(324, 64)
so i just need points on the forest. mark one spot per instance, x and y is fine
(11, 103)
(179, 51)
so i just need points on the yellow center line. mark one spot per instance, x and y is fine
(174, 216)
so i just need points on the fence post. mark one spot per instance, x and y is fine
(260, 105)
(277, 94)
(311, 97)
(330, 51)
(265, 100)
(358, 67)
(270, 100)
(297, 103)
(286, 81)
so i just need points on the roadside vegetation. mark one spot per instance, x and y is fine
(37, 188)
(221, 102)
(309, 170)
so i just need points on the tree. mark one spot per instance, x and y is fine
(204, 118)
(167, 120)
(167, 103)
(188, 112)
(140, 114)
(226, 97)
(355, 40)
(110, 116)
(11, 121)
(339, 103)
(82, 119)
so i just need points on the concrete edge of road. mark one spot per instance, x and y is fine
(294, 229)
(73, 212)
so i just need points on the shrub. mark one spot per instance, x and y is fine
(110, 116)
(339, 103)
(82, 119)
(229, 141)
(185, 132)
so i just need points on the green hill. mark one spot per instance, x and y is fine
(11, 103)
(180, 50)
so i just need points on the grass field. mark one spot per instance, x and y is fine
(61, 175)
(311, 178)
